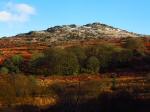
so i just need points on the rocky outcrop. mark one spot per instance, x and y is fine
(69, 32)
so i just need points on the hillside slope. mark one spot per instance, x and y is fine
(62, 36)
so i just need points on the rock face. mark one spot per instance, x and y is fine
(74, 32)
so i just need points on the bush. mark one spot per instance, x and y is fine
(11, 66)
(121, 58)
(56, 61)
(79, 52)
(36, 55)
(17, 59)
(103, 52)
(17, 86)
(135, 44)
(93, 65)
(65, 63)
(38, 64)
(14, 63)
(4, 70)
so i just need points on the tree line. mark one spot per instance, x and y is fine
(77, 60)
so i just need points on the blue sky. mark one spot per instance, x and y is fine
(19, 16)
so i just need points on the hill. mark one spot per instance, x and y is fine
(63, 36)
(69, 32)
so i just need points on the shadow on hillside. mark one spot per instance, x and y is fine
(121, 101)
(106, 102)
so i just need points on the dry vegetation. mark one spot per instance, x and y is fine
(56, 64)
(77, 90)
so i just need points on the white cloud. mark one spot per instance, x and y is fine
(5, 16)
(16, 13)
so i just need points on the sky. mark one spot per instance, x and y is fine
(20, 16)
